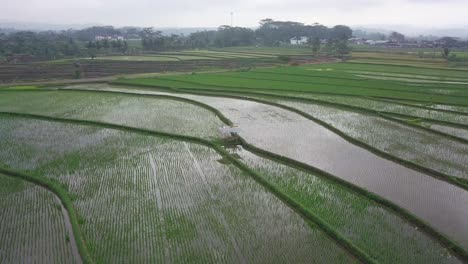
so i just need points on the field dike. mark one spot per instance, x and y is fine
(358, 253)
(303, 212)
(462, 183)
(61, 193)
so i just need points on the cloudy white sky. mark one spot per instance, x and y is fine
(211, 13)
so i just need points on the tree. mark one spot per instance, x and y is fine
(92, 53)
(341, 32)
(124, 47)
(396, 37)
(341, 48)
(105, 44)
(447, 44)
(329, 47)
(446, 52)
(315, 42)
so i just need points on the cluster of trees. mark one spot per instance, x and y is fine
(109, 45)
(273, 33)
(48, 44)
(224, 36)
(106, 45)
(270, 33)
(156, 41)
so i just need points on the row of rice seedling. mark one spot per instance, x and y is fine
(326, 74)
(386, 237)
(408, 63)
(215, 81)
(390, 107)
(33, 228)
(222, 54)
(145, 199)
(404, 69)
(268, 50)
(138, 58)
(152, 113)
(410, 79)
(458, 132)
(288, 134)
(339, 72)
(443, 107)
(421, 147)
(165, 56)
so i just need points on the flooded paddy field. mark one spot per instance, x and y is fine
(317, 193)
(160, 114)
(424, 148)
(147, 199)
(391, 107)
(33, 228)
(458, 132)
(386, 237)
(439, 203)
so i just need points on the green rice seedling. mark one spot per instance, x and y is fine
(162, 200)
(386, 237)
(140, 111)
(425, 148)
(32, 230)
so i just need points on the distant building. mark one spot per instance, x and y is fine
(376, 42)
(299, 40)
(357, 41)
(109, 37)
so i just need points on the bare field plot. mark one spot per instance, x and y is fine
(33, 228)
(146, 199)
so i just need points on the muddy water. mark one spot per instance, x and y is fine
(438, 203)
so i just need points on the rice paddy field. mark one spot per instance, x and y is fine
(351, 162)
(33, 228)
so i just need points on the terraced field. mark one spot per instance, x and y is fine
(329, 163)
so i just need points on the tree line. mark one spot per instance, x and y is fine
(107, 39)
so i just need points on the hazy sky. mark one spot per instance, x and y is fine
(212, 13)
